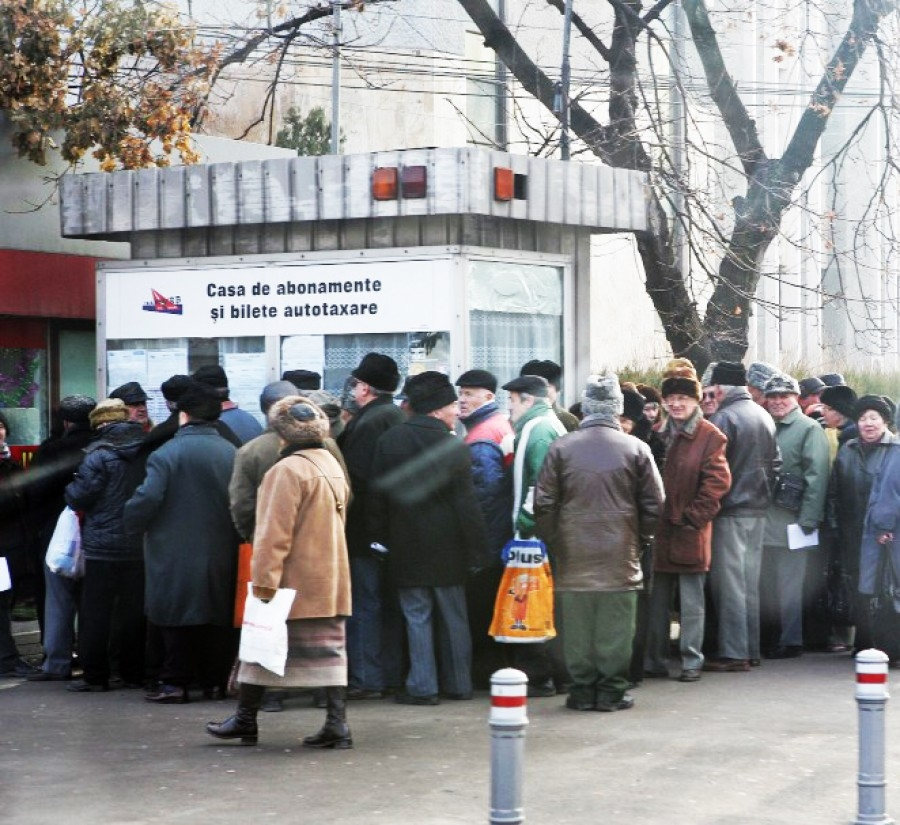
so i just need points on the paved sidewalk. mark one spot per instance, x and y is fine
(776, 745)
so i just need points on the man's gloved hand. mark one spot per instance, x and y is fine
(808, 531)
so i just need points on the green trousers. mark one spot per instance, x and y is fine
(597, 642)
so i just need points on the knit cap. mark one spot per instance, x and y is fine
(603, 396)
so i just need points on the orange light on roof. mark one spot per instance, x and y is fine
(504, 184)
(385, 183)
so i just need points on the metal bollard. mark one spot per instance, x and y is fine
(508, 720)
(871, 697)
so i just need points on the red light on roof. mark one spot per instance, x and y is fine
(504, 184)
(414, 181)
(384, 183)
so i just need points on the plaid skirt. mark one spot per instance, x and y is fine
(317, 656)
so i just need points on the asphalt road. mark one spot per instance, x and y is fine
(776, 745)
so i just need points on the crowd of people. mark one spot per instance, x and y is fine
(771, 500)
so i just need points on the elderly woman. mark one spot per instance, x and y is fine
(696, 478)
(866, 521)
(299, 543)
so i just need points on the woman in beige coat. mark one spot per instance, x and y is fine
(299, 543)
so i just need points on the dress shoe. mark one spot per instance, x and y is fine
(20, 669)
(727, 666)
(574, 704)
(81, 686)
(458, 697)
(625, 703)
(691, 674)
(541, 690)
(363, 693)
(44, 676)
(169, 695)
(405, 698)
(785, 652)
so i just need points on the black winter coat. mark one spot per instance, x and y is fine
(422, 505)
(101, 488)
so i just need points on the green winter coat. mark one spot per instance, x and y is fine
(804, 452)
(546, 429)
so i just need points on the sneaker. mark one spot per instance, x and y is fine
(19, 669)
(405, 698)
(80, 686)
(625, 703)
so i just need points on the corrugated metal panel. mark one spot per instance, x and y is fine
(275, 191)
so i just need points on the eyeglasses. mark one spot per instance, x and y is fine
(710, 396)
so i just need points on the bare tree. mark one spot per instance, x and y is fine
(636, 135)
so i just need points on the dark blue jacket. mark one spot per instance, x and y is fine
(100, 489)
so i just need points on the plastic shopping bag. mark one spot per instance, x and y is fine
(65, 555)
(523, 611)
(264, 636)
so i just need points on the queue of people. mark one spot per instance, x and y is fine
(759, 509)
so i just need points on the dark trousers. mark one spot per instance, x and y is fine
(9, 653)
(203, 652)
(488, 655)
(112, 587)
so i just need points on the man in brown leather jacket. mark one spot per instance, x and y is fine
(598, 497)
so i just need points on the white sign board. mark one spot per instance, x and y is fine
(284, 298)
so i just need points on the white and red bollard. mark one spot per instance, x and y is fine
(871, 697)
(508, 720)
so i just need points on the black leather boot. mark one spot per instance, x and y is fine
(335, 732)
(243, 724)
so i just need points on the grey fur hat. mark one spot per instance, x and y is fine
(759, 373)
(707, 379)
(782, 384)
(603, 396)
(297, 420)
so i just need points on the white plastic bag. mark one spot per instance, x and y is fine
(64, 554)
(264, 636)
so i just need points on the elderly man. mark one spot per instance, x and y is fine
(758, 373)
(798, 500)
(134, 397)
(490, 440)
(536, 427)
(552, 373)
(738, 529)
(242, 423)
(372, 387)
(598, 497)
(422, 508)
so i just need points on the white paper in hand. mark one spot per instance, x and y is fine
(798, 540)
(264, 636)
(5, 580)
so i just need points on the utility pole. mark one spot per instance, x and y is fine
(336, 78)
(561, 102)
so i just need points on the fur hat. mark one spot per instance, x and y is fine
(478, 378)
(841, 399)
(759, 373)
(108, 411)
(173, 388)
(549, 370)
(728, 374)
(130, 393)
(681, 380)
(650, 393)
(811, 386)
(429, 391)
(378, 371)
(212, 375)
(879, 403)
(535, 385)
(297, 420)
(303, 379)
(275, 392)
(781, 384)
(200, 401)
(706, 380)
(633, 404)
(76, 408)
(328, 403)
(602, 396)
(832, 379)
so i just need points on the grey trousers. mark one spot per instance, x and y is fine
(790, 571)
(734, 579)
(692, 619)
